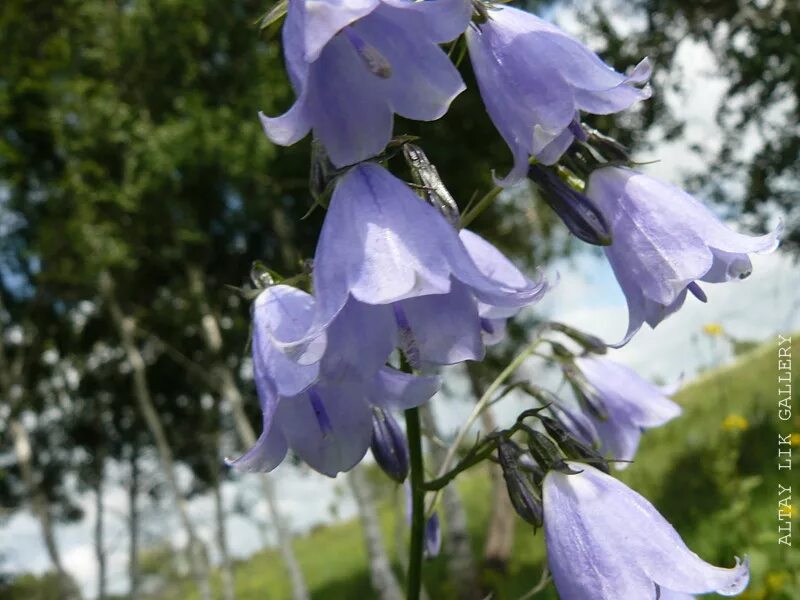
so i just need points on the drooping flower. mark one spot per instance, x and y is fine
(382, 245)
(664, 241)
(355, 63)
(606, 542)
(534, 79)
(623, 406)
(329, 426)
(323, 411)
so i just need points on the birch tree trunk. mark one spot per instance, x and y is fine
(460, 560)
(39, 505)
(99, 530)
(382, 577)
(133, 525)
(10, 375)
(125, 325)
(231, 394)
(228, 579)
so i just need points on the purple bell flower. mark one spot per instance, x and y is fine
(629, 404)
(534, 79)
(433, 536)
(355, 63)
(606, 542)
(664, 241)
(382, 245)
(323, 410)
(329, 426)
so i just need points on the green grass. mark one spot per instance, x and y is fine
(716, 484)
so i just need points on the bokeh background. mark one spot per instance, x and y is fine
(136, 190)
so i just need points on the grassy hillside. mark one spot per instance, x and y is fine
(713, 473)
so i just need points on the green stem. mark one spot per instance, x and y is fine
(414, 579)
(482, 204)
(480, 406)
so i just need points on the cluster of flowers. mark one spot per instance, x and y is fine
(392, 272)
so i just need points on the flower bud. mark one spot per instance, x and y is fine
(586, 395)
(575, 209)
(608, 146)
(389, 445)
(570, 445)
(587, 341)
(524, 496)
(545, 452)
(433, 536)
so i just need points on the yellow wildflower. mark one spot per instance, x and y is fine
(713, 329)
(735, 423)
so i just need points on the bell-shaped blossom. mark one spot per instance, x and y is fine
(323, 410)
(606, 542)
(624, 405)
(329, 425)
(534, 79)
(664, 241)
(353, 64)
(382, 245)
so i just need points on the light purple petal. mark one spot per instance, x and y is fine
(627, 393)
(586, 563)
(360, 340)
(664, 241)
(329, 428)
(267, 453)
(423, 81)
(348, 106)
(727, 267)
(662, 256)
(281, 314)
(394, 390)
(533, 78)
(325, 18)
(446, 328)
(379, 242)
(606, 541)
(290, 127)
(439, 21)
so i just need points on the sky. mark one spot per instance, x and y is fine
(586, 297)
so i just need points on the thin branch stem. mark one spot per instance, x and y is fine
(414, 579)
(481, 405)
(481, 205)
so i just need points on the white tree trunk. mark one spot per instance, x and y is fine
(99, 531)
(226, 567)
(383, 578)
(133, 526)
(39, 505)
(198, 560)
(460, 560)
